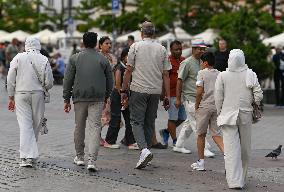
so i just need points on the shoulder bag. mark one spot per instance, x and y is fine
(46, 93)
(256, 112)
(43, 128)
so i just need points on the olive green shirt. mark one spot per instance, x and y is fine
(187, 72)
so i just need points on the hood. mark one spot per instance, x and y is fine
(32, 44)
(236, 61)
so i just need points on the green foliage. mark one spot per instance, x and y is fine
(18, 14)
(86, 9)
(241, 31)
(162, 12)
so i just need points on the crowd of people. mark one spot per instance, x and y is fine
(203, 92)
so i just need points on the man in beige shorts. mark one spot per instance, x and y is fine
(206, 112)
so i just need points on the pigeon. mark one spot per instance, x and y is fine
(275, 152)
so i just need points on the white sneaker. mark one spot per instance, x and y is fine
(181, 150)
(91, 166)
(145, 157)
(133, 146)
(26, 163)
(79, 161)
(111, 146)
(208, 153)
(198, 166)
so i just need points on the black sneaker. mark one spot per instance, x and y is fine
(159, 146)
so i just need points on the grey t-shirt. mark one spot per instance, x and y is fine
(207, 78)
(149, 59)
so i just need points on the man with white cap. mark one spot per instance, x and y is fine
(186, 93)
(26, 95)
(235, 90)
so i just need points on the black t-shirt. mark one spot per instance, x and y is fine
(119, 66)
(278, 60)
(221, 60)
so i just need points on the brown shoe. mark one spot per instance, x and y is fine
(159, 146)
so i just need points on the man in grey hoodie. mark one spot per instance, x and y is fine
(88, 79)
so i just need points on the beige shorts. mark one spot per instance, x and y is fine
(207, 118)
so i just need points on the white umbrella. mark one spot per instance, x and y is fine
(277, 40)
(101, 33)
(43, 36)
(3, 33)
(181, 34)
(209, 35)
(61, 34)
(136, 34)
(167, 37)
(20, 35)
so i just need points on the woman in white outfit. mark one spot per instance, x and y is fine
(235, 89)
(27, 97)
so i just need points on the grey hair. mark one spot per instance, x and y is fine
(148, 28)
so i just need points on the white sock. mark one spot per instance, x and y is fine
(201, 161)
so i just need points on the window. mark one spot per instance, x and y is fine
(50, 3)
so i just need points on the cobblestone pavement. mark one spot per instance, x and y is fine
(169, 171)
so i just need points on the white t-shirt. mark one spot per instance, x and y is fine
(149, 59)
(206, 78)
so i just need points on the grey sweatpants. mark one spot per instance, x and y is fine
(237, 146)
(143, 112)
(91, 111)
(29, 110)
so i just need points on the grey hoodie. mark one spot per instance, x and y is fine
(22, 76)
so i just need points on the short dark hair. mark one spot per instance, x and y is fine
(175, 42)
(209, 57)
(131, 37)
(124, 53)
(90, 39)
(103, 39)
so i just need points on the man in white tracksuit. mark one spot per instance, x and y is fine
(186, 92)
(234, 93)
(27, 97)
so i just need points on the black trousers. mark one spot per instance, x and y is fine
(279, 82)
(114, 124)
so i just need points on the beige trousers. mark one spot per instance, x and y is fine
(29, 110)
(189, 125)
(237, 146)
(91, 111)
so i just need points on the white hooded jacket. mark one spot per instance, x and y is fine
(22, 77)
(235, 89)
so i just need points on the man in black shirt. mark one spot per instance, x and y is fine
(221, 56)
(278, 60)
